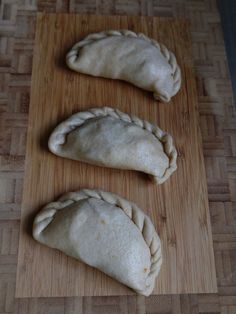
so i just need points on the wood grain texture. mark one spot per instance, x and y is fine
(178, 208)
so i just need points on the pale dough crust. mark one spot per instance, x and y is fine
(128, 56)
(159, 162)
(53, 228)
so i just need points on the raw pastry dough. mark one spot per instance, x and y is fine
(128, 56)
(110, 138)
(104, 231)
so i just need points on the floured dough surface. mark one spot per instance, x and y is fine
(128, 56)
(109, 138)
(104, 236)
(128, 59)
(113, 143)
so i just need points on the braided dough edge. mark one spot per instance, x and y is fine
(58, 136)
(72, 55)
(142, 222)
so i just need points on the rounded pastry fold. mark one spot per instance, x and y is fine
(104, 231)
(128, 56)
(110, 138)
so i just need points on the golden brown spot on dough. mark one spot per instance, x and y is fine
(145, 269)
(103, 222)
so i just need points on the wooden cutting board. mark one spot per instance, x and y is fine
(178, 208)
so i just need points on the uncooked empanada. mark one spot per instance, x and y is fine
(128, 56)
(110, 138)
(104, 231)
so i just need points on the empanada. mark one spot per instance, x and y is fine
(110, 138)
(128, 56)
(104, 231)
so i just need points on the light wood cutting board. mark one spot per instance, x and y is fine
(178, 208)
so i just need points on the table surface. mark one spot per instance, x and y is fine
(178, 208)
(218, 128)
